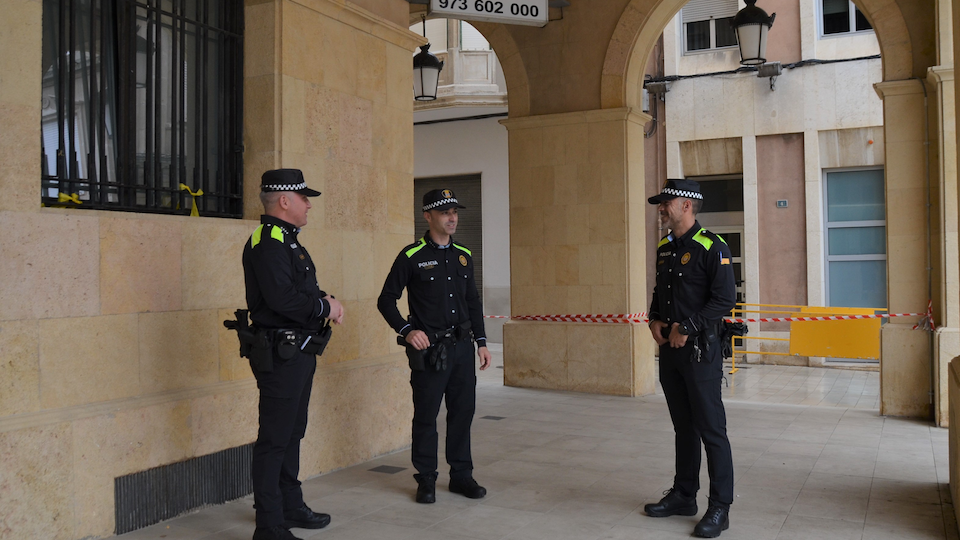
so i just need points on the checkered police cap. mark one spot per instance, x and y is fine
(677, 188)
(286, 180)
(440, 199)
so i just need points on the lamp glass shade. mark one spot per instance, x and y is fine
(753, 43)
(426, 74)
(425, 81)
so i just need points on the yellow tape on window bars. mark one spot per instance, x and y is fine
(193, 211)
(73, 197)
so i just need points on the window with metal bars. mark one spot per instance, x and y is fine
(142, 105)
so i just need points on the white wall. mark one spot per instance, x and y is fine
(470, 147)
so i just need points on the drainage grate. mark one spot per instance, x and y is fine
(148, 497)
(492, 417)
(388, 469)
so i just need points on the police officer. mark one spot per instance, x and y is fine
(445, 312)
(286, 304)
(695, 289)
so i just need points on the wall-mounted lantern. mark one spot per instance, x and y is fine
(426, 72)
(752, 25)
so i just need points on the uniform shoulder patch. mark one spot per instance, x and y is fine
(716, 236)
(410, 250)
(276, 233)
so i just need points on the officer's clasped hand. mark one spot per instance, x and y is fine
(418, 339)
(336, 310)
(656, 328)
(677, 339)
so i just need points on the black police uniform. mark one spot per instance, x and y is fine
(442, 295)
(282, 293)
(695, 287)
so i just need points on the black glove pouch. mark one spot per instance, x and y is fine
(261, 354)
(706, 341)
(437, 358)
(323, 337)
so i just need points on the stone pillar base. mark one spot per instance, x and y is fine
(613, 359)
(905, 371)
(946, 347)
(954, 439)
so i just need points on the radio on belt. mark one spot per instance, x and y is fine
(525, 12)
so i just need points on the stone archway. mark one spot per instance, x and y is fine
(511, 61)
(643, 21)
(574, 91)
(905, 32)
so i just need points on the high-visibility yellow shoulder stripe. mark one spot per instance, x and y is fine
(409, 253)
(663, 241)
(461, 248)
(703, 239)
(721, 239)
(275, 232)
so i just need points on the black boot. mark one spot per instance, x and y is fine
(467, 487)
(305, 518)
(427, 490)
(673, 504)
(715, 521)
(277, 532)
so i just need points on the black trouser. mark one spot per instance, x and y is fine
(459, 384)
(692, 390)
(284, 399)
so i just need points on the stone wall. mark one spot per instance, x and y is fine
(113, 358)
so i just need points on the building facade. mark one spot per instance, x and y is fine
(114, 359)
(794, 161)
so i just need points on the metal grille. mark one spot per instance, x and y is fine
(149, 497)
(141, 101)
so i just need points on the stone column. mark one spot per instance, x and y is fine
(947, 257)
(905, 369)
(577, 203)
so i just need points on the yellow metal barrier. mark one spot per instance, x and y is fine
(859, 338)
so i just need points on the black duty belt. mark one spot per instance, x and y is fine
(262, 345)
(290, 342)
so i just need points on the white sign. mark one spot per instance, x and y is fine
(528, 12)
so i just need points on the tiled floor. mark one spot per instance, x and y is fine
(813, 460)
(804, 386)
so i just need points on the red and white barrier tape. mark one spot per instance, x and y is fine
(641, 318)
(926, 323)
(828, 318)
(602, 318)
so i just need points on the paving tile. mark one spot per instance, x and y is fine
(361, 529)
(169, 530)
(552, 527)
(906, 515)
(808, 528)
(485, 522)
(877, 532)
(847, 460)
(772, 500)
(566, 465)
